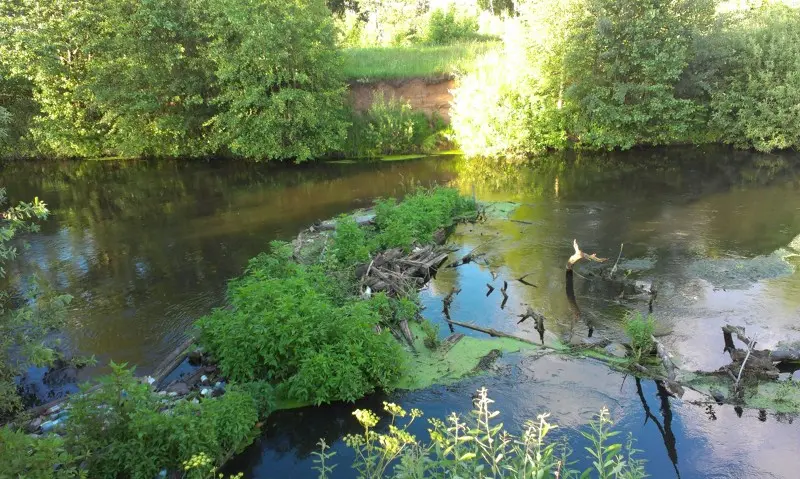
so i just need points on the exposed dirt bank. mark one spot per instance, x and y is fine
(424, 94)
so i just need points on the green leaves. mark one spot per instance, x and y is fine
(285, 324)
(281, 93)
(128, 432)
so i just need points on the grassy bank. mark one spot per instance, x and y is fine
(391, 63)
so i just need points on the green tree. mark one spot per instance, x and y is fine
(151, 79)
(755, 102)
(48, 43)
(622, 63)
(281, 92)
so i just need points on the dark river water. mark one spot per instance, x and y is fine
(147, 247)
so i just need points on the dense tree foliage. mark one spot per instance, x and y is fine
(281, 88)
(603, 74)
(757, 103)
(263, 79)
(170, 78)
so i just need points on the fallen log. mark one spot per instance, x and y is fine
(495, 333)
(365, 219)
(449, 342)
(672, 384)
(737, 331)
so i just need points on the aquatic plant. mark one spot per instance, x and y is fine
(640, 329)
(418, 216)
(431, 332)
(478, 446)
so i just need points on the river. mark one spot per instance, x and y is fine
(145, 247)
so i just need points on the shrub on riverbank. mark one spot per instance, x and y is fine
(392, 127)
(130, 432)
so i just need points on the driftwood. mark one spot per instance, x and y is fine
(365, 219)
(672, 384)
(579, 255)
(407, 333)
(495, 333)
(398, 273)
(171, 362)
(449, 342)
(467, 258)
(490, 289)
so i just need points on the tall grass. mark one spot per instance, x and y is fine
(388, 63)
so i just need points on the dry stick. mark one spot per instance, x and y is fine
(521, 279)
(738, 331)
(614, 268)
(579, 255)
(741, 369)
(669, 366)
(497, 334)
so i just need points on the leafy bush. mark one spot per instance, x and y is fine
(447, 26)
(128, 432)
(349, 243)
(478, 447)
(281, 92)
(24, 325)
(431, 332)
(755, 102)
(640, 329)
(418, 216)
(291, 325)
(391, 127)
(22, 455)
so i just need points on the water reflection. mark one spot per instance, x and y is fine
(146, 247)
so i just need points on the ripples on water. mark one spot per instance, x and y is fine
(146, 247)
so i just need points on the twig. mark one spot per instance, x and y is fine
(614, 268)
(741, 369)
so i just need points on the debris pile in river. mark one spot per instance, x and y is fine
(398, 273)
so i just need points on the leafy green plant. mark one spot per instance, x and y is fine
(350, 245)
(478, 447)
(418, 216)
(23, 455)
(123, 428)
(640, 329)
(448, 26)
(390, 127)
(24, 325)
(431, 332)
(293, 325)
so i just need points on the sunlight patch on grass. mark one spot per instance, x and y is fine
(388, 63)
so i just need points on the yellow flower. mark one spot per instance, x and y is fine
(366, 417)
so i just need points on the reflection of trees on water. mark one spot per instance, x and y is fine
(664, 428)
(147, 246)
(692, 172)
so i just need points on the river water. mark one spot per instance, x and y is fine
(146, 247)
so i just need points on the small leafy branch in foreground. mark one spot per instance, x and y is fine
(479, 447)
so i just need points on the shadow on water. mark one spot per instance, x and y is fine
(147, 247)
